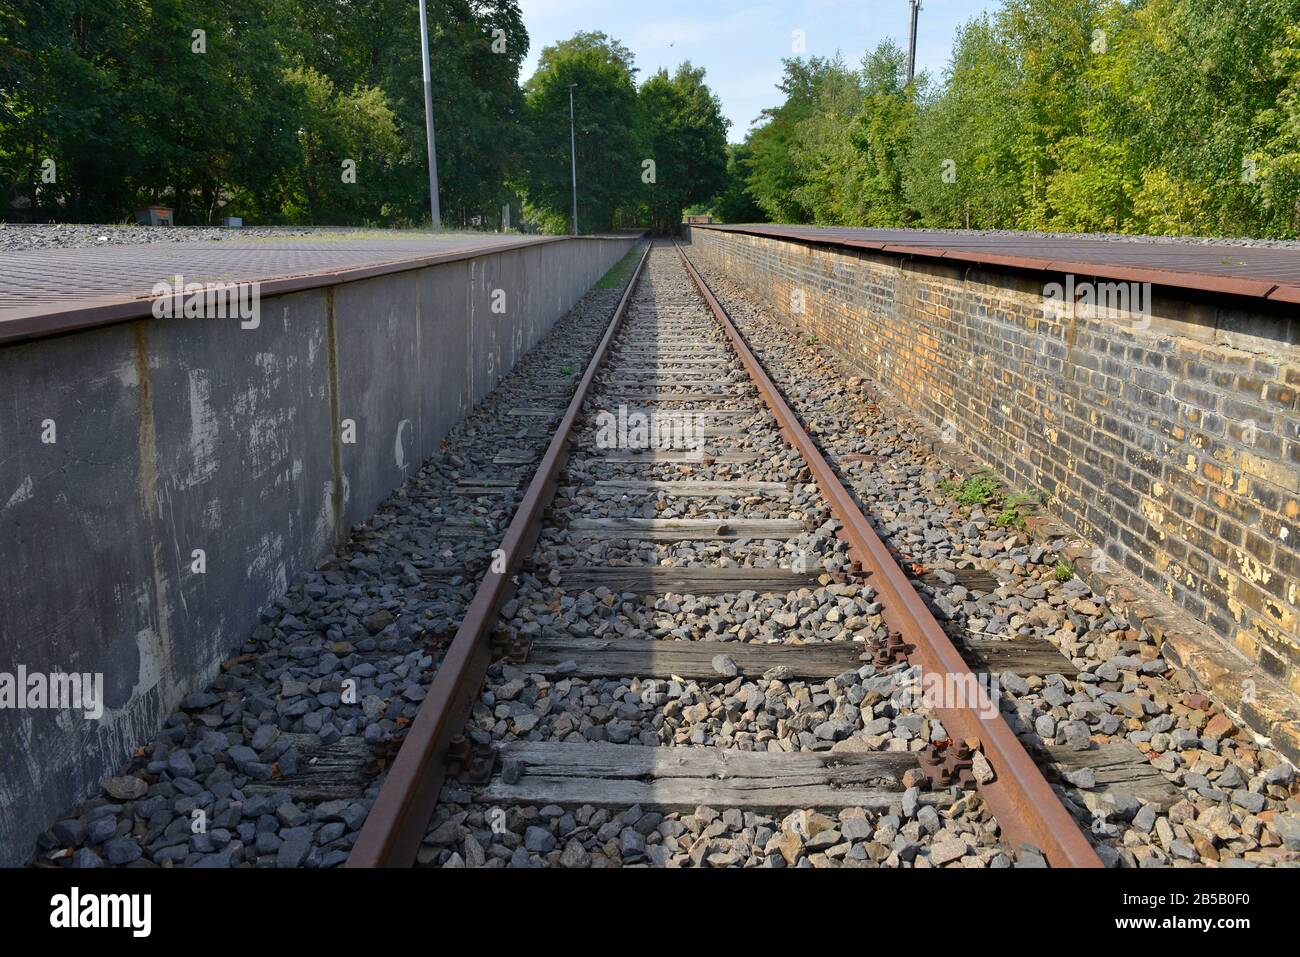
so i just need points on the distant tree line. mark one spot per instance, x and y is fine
(295, 111)
(644, 154)
(253, 106)
(1175, 117)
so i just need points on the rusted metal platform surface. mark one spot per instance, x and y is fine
(49, 291)
(1258, 272)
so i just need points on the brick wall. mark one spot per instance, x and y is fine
(1169, 441)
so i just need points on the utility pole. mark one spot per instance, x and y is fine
(915, 6)
(428, 121)
(573, 148)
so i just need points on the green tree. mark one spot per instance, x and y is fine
(68, 106)
(1280, 155)
(735, 204)
(348, 147)
(204, 112)
(476, 48)
(1211, 80)
(608, 131)
(686, 136)
(883, 134)
(777, 173)
(964, 168)
(829, 165)
(116, 94)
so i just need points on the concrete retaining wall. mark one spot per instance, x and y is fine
(1170, 441)
(125, 449)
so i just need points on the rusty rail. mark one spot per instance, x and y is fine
(1026, 807)
(397, 821)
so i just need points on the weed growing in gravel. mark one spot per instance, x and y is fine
(1063, 570)
(983, 488)
(567, 370)
(1010, 517)
(980, 489)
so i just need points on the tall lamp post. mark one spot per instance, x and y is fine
(915, 10)
(428, 121)
(573, 149)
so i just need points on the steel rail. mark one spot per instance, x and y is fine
(1021, 799)
(396, 823)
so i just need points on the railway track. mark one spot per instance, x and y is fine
(762, 684)
(676, 593)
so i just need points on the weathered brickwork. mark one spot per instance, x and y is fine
(1170, 441)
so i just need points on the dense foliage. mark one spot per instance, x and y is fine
(643, 154)
(1162, 116)
(258, 114)
(313, 112)
(607, 133)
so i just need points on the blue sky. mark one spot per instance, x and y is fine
(741, 42)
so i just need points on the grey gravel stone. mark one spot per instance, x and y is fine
(1084, 778)
(290, 815)
(86, 858)
(127, 788)
(101, 829)
(911, 798)
(539, 840)
(1288, 829)
(1280, 773)
(121, 851)
(70, 832)
(295, 843)
(1249, 800)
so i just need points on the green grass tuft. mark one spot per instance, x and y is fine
(983, 488)
(621, 271)
(980, 489)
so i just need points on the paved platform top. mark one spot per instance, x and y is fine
(1260, 272)
(49, 291)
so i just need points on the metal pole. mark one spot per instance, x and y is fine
(428, 121)
(573, 147)
(911, 40)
